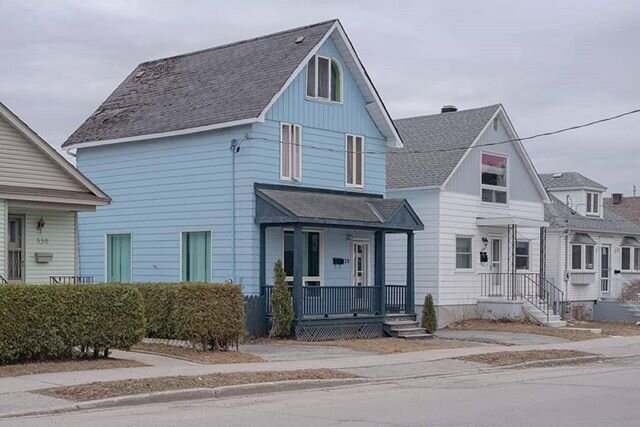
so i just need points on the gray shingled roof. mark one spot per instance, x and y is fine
(310, 205)
(218, 85)
(568, 180)
(561, 216)
(433, 146)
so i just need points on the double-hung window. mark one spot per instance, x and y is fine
(355, 161)
(582, 257)
(118, 261)
(324, 79)
(464, 254)
(522, 255)
(494, 178)
(630, 259)
(290, 152)
(593, 204)
(196, 256)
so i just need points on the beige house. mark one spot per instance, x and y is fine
(40, 196)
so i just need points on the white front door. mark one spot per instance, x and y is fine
(496, 256)
(605, 270)
(360, 263)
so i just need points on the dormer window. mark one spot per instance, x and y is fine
(494, 178)
(593, 204)
(324, 79)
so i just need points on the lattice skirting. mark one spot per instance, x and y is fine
(338, 331)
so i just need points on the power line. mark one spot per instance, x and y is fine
(449, 149)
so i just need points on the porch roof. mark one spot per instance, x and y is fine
(279, 204)
(504, 221)
(77, 200)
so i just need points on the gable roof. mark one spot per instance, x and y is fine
(560, 215)
(629, 207)
(223, 86)
(91, 195)
(434, 145)
(569, 180)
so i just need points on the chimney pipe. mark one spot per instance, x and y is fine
(449, 109)
(616, 198)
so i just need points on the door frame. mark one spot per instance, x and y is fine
(499, 239)
(23, 219)
(609, 269)
(360, 241)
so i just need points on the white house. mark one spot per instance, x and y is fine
(592, 253)
(482, 205)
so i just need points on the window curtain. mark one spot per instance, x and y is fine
(119, 258)
(196, 256)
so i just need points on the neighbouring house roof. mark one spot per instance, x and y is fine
(569, 180)
(434, 145)
(560, 215)
(630, 241)
(583, 239)
(277, 204)
(220, 87)
(629, 207)
(88, 193)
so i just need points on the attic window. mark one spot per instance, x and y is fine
(593, 203)
(324, 79)
(494, 178)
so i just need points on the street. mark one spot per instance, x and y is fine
(595, 394)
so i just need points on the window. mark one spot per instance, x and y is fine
(630, 259)
(290, 152)
(464, 255)
(522, 255)
(593, 203)
(355, 161)
(118, 258)
(196, 256)
(636, 259)
(494, 178)
(626, 259)
(324, 79)
(311, 257)
(582, 257)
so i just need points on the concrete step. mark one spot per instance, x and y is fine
(403, 324)
(404, 329)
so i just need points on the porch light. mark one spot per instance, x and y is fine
(41, 223)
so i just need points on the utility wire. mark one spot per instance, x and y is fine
(449, 149)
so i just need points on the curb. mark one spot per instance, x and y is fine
(192, 394)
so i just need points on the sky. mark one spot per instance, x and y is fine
(552, 64)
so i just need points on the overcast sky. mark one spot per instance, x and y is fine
(551, 63)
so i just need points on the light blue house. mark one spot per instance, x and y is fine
(221, 161)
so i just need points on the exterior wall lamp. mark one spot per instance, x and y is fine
(41, 223)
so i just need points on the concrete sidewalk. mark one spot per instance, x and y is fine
(15, 397)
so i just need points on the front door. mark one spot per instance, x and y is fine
(496, 256)
(15, 249)
(360, 263)
(605, 270)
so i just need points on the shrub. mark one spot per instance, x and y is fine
(159, 308)
(429, 322)
(39, 322)
(210, 314)
(281, 303)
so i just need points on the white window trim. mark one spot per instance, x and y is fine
(346, 159)
(631, 259)
(316, 97)
(455, 254)
(369, 262)
(180, 236)
(106, 259)
(306, 279)
(289, 178)
(592, 212)
(496, 187)
(528, 241)
(583, 258)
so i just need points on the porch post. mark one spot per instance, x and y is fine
(380, 273)
(410, 291)
(263, 259)
(298, 243)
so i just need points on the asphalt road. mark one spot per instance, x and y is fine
(589, 395)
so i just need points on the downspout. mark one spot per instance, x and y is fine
(234, 148)
(566, 264)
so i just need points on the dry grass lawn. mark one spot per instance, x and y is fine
(103, 390)
(524, 327)
(33, 368)
(610, 328)
(208, 357)
(377, 345)
(506, 358)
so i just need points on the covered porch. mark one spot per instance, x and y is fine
(332, 244)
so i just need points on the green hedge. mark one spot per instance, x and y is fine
(207, 314)
(39, 322)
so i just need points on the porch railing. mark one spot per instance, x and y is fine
(3, 280)
(70, 280)
(344, 300)
(538, 291)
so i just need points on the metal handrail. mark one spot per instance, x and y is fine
(3, 280)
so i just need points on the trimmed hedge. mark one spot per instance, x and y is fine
(207, 314)
(39, 322)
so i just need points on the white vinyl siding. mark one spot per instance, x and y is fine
(291, 152)
(354, 163)
(3, 227)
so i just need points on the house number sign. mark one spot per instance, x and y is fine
(42, 241)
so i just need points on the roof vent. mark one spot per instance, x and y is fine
(616, 198)
(557, 175)
(449, 109)
(299, 40)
